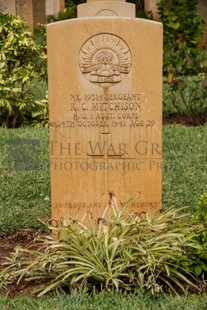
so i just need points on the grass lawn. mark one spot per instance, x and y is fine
(184, 165)
(25, 195)
(107, 301)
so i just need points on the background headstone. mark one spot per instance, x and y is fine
(39, 12)
(8, 6)
(106, 8)
(24, 8)
(3, 6)
(53, 7)
(105, 98)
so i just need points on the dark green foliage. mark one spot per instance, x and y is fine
(182, 33)
(40, 36)
(140, 9)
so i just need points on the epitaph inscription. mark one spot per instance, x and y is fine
(105, 59)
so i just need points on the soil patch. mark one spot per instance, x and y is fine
(177, 118)
(8, 243)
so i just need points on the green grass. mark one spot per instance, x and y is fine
(184, 165)
(107, 301)
(24, 194)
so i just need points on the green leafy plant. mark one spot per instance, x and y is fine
(182, 33)
(201, 209)
(183, 30)
(22, 67)
(40, 112)
(40, 35)
(200, 254)
(188, 97)
(120, 252)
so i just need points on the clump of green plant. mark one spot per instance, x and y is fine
(40, 112)
(201, 209)
(183, 30)
(184, 65)
(199, 256)
(187, 95)
(119, 252)
(40, 35)
(22, 68)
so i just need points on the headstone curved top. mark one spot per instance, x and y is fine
(106, 8)
(105, 99)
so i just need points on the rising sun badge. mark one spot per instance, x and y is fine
(105, 59)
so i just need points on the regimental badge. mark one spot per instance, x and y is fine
(105, 59)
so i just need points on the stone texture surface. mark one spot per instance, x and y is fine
(33, 11)
(3, 6)
(106, 8)
(8, 6)
(39, 12)
(24, 8)
(151, 8)
(105, 86)
(53, 7)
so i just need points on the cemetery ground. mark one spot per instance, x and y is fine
(25, 200)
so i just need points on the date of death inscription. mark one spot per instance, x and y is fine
(102, 111)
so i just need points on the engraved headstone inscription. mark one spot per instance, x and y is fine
(105, 89)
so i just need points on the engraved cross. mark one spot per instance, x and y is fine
(106, 151)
